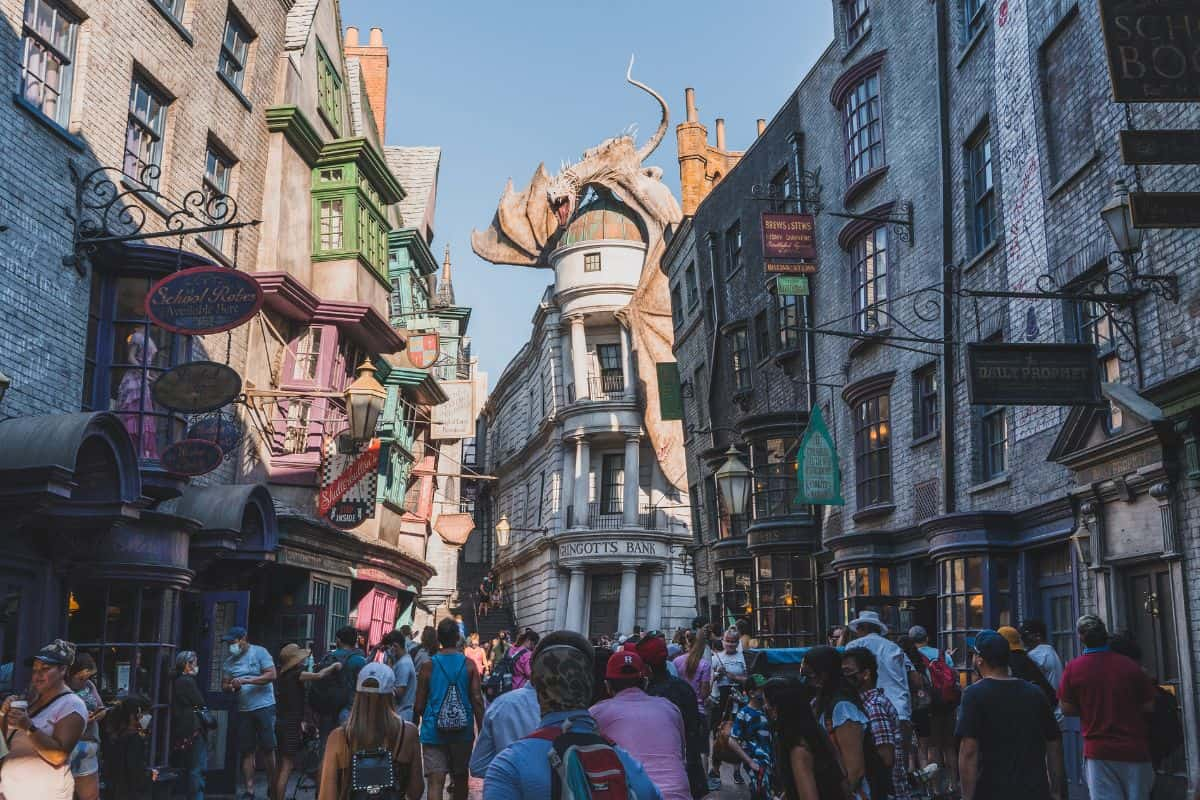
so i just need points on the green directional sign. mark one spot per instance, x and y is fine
(670, 394)
(791, 286)
(817, 472)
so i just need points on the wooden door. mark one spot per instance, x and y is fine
(606, 600)
(220, 611)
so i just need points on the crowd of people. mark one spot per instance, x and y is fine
(866, 716)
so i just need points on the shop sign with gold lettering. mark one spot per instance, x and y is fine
(1024, 374)
(197, 387)
(203, 300)
(788, 237)
(1152, 50)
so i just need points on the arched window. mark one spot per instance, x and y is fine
(125, 355)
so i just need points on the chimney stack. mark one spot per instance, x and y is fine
(690, 99)
(762, 126)
(373, 65)
(720, 134)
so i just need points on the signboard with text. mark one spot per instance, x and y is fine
(1031, 374)
(203, 300)
(1165, 209)
(788, 237)
(455, 418)
(670, 394)
(1152, 49)
(791, 286)
(818, 475)
(197, 387)
(789, 268)
(1160, 147)
(349, 482)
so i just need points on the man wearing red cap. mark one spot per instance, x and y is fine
(649, 728)
(653, 650)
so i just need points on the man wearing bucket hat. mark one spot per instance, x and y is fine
(893, 672)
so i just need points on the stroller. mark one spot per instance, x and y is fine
(308, 763)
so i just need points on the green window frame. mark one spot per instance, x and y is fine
(348, 221)
(329, 90)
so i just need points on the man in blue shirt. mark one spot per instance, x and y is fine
(249, 671)
(405, 673)
(511, 716)
(563, 676)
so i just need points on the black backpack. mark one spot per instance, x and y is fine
(1166, 729)
(334, 692)
(376, 775)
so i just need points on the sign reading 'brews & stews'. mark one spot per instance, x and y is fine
(1152, 49)
(818, 476)
(1004, 374)
(197, 387)
(203, 300)
(788, 237)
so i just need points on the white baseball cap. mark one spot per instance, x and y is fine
(382, 675)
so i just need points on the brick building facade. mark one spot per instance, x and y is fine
(982, 170)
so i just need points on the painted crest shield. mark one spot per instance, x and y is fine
(423, 350)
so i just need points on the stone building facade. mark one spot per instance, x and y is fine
(259, 102)
(983, 170)
(596, 530)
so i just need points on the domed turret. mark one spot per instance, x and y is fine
(602, 217)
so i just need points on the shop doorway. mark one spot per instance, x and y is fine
(606, 601)
(18, 636)
(207, 616)
(304, 625)
(1150, 612)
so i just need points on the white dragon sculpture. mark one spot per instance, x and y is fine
(525, 231)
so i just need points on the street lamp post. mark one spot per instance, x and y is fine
(364, 403)
(503, 531)
(5, 382)
(1117, 217)
(733, 480)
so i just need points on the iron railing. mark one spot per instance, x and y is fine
(609, 518)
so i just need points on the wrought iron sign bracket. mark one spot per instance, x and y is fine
(808, 197)
(105, 211)
(901, 221)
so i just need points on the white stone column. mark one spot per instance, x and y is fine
(627, 611)
(575, 601)
(564, 344)
(579, 359)
(583, 465)
(654, 612)
(560, 601)
(566, 488)
(628, 374)
(633, 443)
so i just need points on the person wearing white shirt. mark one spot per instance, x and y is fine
(892, 675)
(1033, 635)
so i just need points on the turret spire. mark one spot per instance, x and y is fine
(445, 293)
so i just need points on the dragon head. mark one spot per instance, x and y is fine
(562, 195)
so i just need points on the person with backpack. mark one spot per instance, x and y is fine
(566, 758)
(806, 767)
(840, 713)
(1011, 746)
(521, 657)
(374, 747)
(448, 708)
(332, 692)
(1023, 667)
(860, 669)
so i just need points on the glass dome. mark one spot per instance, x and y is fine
(602, 217)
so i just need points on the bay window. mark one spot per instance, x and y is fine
(873, 451)
(786, 608)
(870, 254)
(862, 122)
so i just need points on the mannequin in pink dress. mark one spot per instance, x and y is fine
(133, 395)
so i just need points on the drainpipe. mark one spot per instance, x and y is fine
(950, 272)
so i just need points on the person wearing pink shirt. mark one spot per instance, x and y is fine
(649, 728)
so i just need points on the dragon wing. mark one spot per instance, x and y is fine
(522, 225)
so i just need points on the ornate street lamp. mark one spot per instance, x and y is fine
(364, 403)
(503, 531)
(1082, 536)
(733, 480)
(1119, 221)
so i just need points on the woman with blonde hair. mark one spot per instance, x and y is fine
(373, 733)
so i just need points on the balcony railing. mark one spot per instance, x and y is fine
(609, 386)
(656, 519)
(611, 517)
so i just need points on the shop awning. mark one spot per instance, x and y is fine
(79, 464)
(236, 518)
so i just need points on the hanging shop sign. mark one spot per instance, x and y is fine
(221, 428)
(789, 268)
(203, 300)
(197, 387)
(349, 482)
(788, 237)
(1152, 50)
(423, 349)
(791, 286)
(455, 418)
(670, 393)
(1160, 147)
(818, 475)
(1003, 374)
(191, 457)
(1165, 209)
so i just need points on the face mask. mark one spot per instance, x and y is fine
(235, 649)
(144, 721)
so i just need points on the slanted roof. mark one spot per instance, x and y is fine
(416, 168)
(299, 24)
(362, 120)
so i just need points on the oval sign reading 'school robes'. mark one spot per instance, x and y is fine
(191, 457)
(203, 300)
(197, 387)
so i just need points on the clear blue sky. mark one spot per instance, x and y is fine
(504, 86)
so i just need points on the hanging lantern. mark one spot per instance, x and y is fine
(364, 403)
(734, 479)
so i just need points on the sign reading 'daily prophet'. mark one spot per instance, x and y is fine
(203, 300)
(1032, 374)
(788, 238)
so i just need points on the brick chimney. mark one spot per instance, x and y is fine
(701, 165)
(373, 63)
